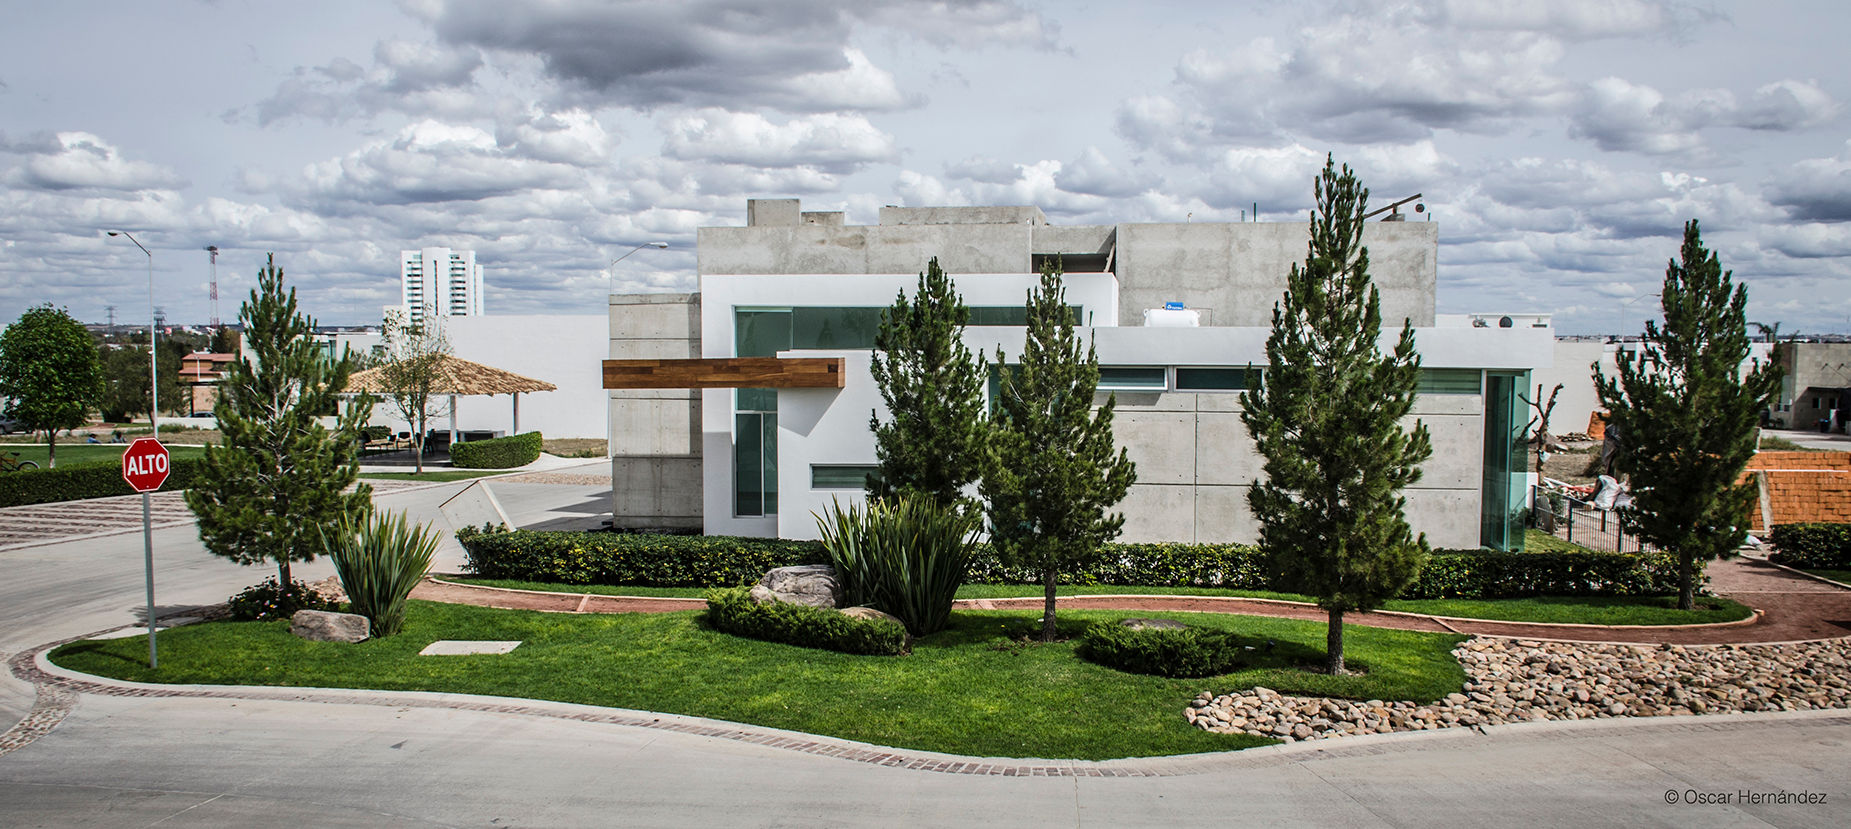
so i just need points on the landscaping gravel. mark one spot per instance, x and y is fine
(1522, 681)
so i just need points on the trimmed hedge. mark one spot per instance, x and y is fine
(733, 611)
(90, 480)
(1812, 546)
(631, 559)
(1174, 652)
(497, 453)
(724, 561)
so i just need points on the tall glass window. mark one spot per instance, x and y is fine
(1502, 497)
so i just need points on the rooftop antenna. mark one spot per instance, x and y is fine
(214, 292)
(1394, 210)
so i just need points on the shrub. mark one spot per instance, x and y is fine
(497, 453)
(723, 561)
(270, 600)
(379, 562)
(905, 555)
(1172, 652)
(90, 480)
(733, 611)
(1815, 546)
(626, 559)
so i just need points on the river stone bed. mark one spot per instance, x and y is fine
(1522, 681)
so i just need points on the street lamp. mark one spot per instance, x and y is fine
(1628, 304)
(154, 372)
(610, 287)
(610, 282)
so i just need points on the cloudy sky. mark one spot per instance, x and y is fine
(1559, 144)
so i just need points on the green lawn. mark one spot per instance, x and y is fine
(435, 476)
(1585, 610)
(1842, 576)
(977, 688)
(80, 453)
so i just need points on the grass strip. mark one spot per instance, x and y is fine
(978, 688)
(1842, 576)
(1582, 610)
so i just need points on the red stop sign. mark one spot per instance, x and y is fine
(144, 465)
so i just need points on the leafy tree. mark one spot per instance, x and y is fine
(224, 340)
(273, 487)
(1326, 415)
(49, 373)
(411, 371)
(1689, 415)
(1050, 472)
(933, 389)
(125, 375)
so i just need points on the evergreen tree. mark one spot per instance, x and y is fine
(1689, 416)
(1326, 415)
(1050, 473)
(50, 375)
(273, 487)
(933, 388)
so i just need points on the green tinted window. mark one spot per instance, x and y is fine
(841, 476)
(761, 333)
(1190, 378)
(1449, 381)
(1139, 378)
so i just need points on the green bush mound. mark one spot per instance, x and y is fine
(1184, 652)
(1812, 546)
(725, 561)
(95, 480)
(497, 453)
(733, 611)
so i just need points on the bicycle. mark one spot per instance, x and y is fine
(10, 462)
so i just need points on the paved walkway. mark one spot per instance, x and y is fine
(1792, 608)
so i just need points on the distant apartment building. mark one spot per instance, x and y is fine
(439, 281)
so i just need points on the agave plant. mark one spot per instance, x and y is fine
(379, 562)
(906, 555)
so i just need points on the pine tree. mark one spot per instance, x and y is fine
(1050, 473)
(275, 483)
(50, 375)
(1689, 416)
(1326, 415)
(933, 388)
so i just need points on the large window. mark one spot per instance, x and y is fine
(1502, 495)
(1449, 381)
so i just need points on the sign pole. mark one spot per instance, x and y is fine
(147, 538)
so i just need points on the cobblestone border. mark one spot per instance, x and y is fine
(58, 687)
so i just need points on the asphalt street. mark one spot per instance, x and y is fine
(123, 761)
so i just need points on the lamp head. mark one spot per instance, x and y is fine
(113, 233)
(658, 244)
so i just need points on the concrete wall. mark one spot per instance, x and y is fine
(1815, 366)
(559, 349)
(1577, 401)
(655, 434)
(1234, 272)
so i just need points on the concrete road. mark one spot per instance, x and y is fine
(117, 761)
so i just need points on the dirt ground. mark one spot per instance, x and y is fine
(574, 447)
(1570, 466)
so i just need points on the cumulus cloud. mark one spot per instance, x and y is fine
(829, 141)
(71, 160)
(430, 161)
(1816, 189)
(416, 78)
(1095, 175)
(569, 137)
(1617, 114)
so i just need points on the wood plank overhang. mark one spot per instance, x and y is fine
(726, 373)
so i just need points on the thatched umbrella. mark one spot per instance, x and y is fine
(459, 377)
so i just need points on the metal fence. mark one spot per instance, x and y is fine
(1577, 521)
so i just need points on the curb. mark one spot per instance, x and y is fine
(57, 684)
(1805, 574)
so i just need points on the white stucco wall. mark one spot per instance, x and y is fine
(567, 351)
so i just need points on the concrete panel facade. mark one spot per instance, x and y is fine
(654, 434)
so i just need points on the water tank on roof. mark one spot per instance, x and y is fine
(1172, 315)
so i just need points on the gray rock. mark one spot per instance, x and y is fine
(1144, 624)
(322, 626)
(871, 613)
(815, 585)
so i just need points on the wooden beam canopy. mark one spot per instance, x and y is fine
(726, 373)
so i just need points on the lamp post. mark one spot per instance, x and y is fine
(1628, 304)
(610, 287)
(154, 371)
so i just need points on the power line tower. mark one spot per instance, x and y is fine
(214, 251)
(112, 317)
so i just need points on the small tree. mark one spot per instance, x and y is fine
(49, 373)
(1538, 427)
(1326, 415)
(933, 388)
(1689, 415)
(411, 370)
(1050, 473)
(274, 486)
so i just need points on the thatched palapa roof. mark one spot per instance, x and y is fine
(456, 376)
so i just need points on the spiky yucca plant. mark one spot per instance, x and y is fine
(906, 555)
(379, 561)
